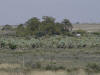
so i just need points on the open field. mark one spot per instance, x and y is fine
(87, 27)
(51, 55)
(74, 61)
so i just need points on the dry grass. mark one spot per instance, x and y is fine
(9, 66)
(34, 73)
(78, 72)
(87, 27)
(48, 73)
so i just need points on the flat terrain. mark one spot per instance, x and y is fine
(12, 62)
(32, 56)
(87, 27)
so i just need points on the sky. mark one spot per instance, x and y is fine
(19, 11)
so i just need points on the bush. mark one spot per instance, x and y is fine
(38, 65)
(32, 65)
(93, 67)
(82, 32)
(12, 46)
(40, 34)
(96, 33)
(70, 45)
(7, 27)
(33, 46)
(3, 44)
(54, 68)
(61, 45)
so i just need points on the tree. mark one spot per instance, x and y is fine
(33, 25)
(48, 19)
(67, 25)
(20, 30)
(7, 27)
(48, 24)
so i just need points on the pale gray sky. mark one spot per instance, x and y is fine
(19, 11)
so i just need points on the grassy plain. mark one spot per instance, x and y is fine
(57, 55)
(87, 27)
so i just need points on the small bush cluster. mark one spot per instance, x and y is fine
(3, 44)
(31, 65)
(82, 32)
(50, 42)
(54, 68)
(12, 46)
(96, 33)
(93, 67)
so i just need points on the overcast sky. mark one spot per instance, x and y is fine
(19, 11)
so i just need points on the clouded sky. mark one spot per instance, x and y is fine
(19, 11)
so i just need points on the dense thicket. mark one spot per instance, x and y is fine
(48, 26)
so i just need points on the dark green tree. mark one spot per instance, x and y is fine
(48, 24)
(33, 25)
(67, 25)
(7, 27)
(48, 19)
(20, 30)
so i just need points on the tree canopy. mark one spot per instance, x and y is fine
(48, 26)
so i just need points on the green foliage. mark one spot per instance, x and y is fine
(3, 44)
(54, 67)
(82, 32)
(55, 41)
(67, 25)
(31, 65)
(21, 30)
(61, 45)
(7, 27)
(12, 46)
(47, 26)
(96, 33)
(93, 67)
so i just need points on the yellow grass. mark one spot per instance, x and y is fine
(87, 27)
(79, 72)
(9, 66)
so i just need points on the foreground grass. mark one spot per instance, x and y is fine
(50, 59)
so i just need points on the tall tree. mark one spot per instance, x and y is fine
(67, 25)
(49, 24)
(48, 19)
(7, 27)
(20, 30)
(33, 25)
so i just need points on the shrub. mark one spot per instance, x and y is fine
(12, 46)
(3, 44)
(69, 34)
(7, 27)
(93, 67)
(33, 46)
(70, 45)
(61, 45)
(40, 34)
(96, 33)
(38, 65)
(82, 32)
(32, 65)
(54, 68)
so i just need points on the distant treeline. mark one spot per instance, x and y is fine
(48, 26)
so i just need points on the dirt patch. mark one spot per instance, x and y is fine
(9, 66)
(48, 73)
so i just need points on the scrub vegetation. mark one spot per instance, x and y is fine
(48, 46)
